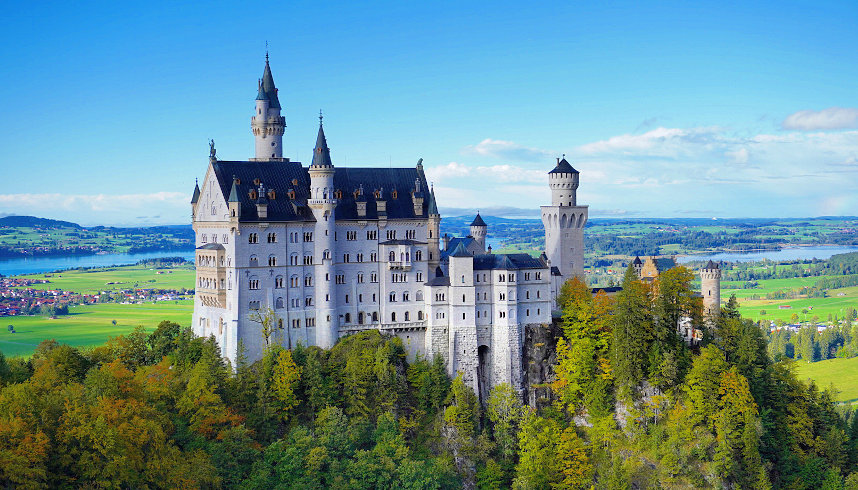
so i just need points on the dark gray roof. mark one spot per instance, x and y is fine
(607, 289)
(664, 263)
(712, 265)
(460, 251)
(268, 87)
(233, 192)
(555, 271)
(563, 167)
(196, 196)
(433, 207)
(321, 153)
(439, 281)
(507, 262)
(211, 246)
(285, 176)
(454, 244)
(478, 221)
(637, 261)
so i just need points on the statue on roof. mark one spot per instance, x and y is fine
(212, 152)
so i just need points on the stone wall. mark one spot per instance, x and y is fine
(539, 355)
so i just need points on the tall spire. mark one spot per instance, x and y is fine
(268, 86)
(321, 153)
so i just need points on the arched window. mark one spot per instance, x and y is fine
(375, 316)
(391, 256)
(406, 316)
(420, 314)
(278, 282)
(272, 261)
(254, 261)
(418, 255)
(348, 317)
(393, 316)
(279, 302)
(360, 318)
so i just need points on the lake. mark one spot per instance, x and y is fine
(797, 253)
(37, 265)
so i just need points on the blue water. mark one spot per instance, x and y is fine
(798, 253)
(38, 265)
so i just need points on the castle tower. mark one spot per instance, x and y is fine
(710, 288)
(434, 232)
(322, 203)
(478, 231)
(462, 335)
(638, 265)
(564, 222)
(267, 124)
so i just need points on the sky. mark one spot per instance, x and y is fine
(668, 109)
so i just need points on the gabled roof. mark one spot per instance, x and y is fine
(507, 262)
(268, 87)
(285, 176)
(439, 281)
(460, 251)
(563, 167)
(196, 196)
(637, 261)
(478, 221)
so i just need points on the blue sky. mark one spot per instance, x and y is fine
(666, 108)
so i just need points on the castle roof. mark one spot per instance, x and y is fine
(507, 262)
(196, 196)
(663, 263)
(460, 251)
(439, 281)
(433, 207)
(268, 88)
(211, 246)
(563, 167)
(637, 261)
(711, 265)
(286, 175)
(478, 221)
(321, 153)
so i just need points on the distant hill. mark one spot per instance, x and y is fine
(32, 221)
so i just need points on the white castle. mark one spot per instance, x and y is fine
(337, 250)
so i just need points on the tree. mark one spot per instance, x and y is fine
(505, 412)
(632, 334)
(267, 320)
(285, 378)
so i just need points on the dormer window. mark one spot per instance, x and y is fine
(294, 181)
(271, 194)
(394, 194)
(376, 194)
(291, 194)
(256, 182)
(338, 194)
(252, 194)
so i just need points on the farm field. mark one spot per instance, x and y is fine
(89, 325)
(837, 302)
(840, 373)
(96, 280)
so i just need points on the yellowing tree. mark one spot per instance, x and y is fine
(285, 377)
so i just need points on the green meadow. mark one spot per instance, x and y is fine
(134, 276)
(89, 325)
(840, 374)
(836, 304)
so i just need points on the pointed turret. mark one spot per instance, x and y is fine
(321, 153)
(433, 207)
(267, 124)
(196, 196)
(478, 231)
(233, 193)
(268, 86)
(233, 203)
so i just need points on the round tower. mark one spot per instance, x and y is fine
(434, 232)
(478, 231)
(563, 181)
(267, 124)
(564, 222)
(322, 204)
(710, 288)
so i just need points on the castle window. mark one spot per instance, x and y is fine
(463, 279)
(372, 235)
(225, 238)
(252, 194)
(406, 316)
(351, 236)
(278, 303)
(360, 277)
(393, 316)
(308, 236)
(419, 295)
(204, 238)
(463, 316)
(311, 322)
(391, 234)
(308, 301)
(392, 297)
(256, 181)
(360, 318)
(326, 255)
(253, 238)
(254, 261)
(272, 238)
(360, 257)
(527, 295)
(537, 293)
(278, 282)
(347, 299)
(463, 298)
(346, 258)
(394, 194)
(293, 259)
(272, 261)
(348, 317)
(372, 256)
(420, 314)
(391, 256)
(418, 255)
(375, 316)
(373, 277)
(294, 181)
(291, 194)
(308, 260)
(308, 280)
(405, 296)
(253, 282)
(293, 282)
(254, 305)
(338, 194)
(340, 278)
(419, 277)
(410, 234)
(527, 312)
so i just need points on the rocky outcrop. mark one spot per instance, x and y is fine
(539, 357)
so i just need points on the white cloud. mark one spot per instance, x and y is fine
(506, 150)
(667, 142)
(486, 173)
(831, 118)
(738, 156)
(162, 207)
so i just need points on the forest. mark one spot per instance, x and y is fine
(630, 405)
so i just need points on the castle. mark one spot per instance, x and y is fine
(320, 252)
